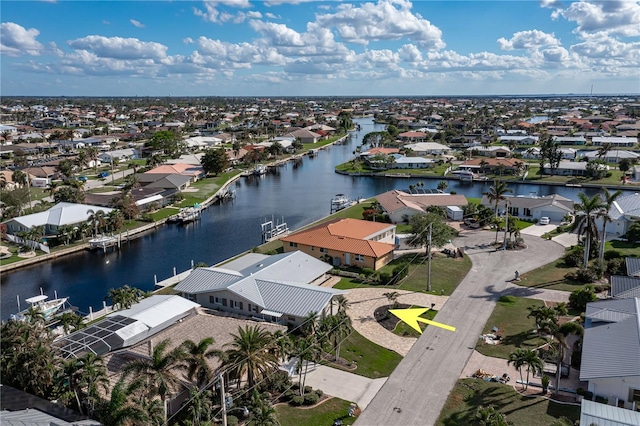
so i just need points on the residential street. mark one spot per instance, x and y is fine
(418, 388)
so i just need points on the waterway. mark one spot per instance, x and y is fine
(295, 193)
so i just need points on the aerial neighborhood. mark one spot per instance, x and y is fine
(519, 295)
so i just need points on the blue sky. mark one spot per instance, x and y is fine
(315, 48)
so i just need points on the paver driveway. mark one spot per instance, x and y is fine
(418, 388)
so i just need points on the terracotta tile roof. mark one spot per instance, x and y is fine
(394, 200)
(178, 168)
(346, 235)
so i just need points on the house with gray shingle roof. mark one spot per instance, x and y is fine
(555, 206)
(611, 350)
(282, 288)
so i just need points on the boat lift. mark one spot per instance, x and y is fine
(272, 229)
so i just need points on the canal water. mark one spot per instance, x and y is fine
(296, 193)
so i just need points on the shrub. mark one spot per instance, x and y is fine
(319, 392)
(616, 266)
(574, 258)
(579, 298)
(612, 254)
(311, 398)
(308, 389)
(385, 278)
(232, 421)
(585, 275)
(288, 395)
(599, 288)
(507, 299)
(297, 401)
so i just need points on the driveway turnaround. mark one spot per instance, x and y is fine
(343, 385)
(416, 391)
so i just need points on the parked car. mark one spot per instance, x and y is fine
(472, 223)
(544, 220)
(103, 174)
(82, 178)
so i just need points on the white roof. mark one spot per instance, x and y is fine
(156, 310)
(60, 214)
(428, 146)
(595, 413)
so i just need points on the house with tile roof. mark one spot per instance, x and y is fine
(282, 288)
(400, 205)
(349, 242)
(610, 351)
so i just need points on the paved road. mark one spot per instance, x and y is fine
(418, 388)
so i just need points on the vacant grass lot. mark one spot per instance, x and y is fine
(373, 360)
(468, 394)
(551, 276)
(446, 274)
(320, 415)
(510, 316)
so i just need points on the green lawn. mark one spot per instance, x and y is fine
(446, 274)
(510, 316)
(625, 248)
(373, 360)
(320, 415)
(551, 276)
(469, 394)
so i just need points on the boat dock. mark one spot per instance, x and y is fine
(103, 242)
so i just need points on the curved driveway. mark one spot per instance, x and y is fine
(416, 391)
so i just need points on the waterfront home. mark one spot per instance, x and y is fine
(570, 168)
(613, 156)
(305, 136)
(532, 207)
(194, 172)
(349, 242)
(171, 182)
(282, 288)
(413, 137)
(490, 151)
(400, 206)
(617, 141)
(519, 140)
(570, 140)
(428, 148)
(610, 348)
(52, 219)
(125, 328)
(402, 162)
(493, 165)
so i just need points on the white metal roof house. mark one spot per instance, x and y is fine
(118, 155)
(57, 216)
(613, 156)
(281, 288)
(611, 351)
(594, 413)
(555, 206)
(426, 148)
(624, 212)
(614, 141)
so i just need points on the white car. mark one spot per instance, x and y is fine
(544, 220)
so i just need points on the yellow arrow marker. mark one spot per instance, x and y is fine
(412, 315)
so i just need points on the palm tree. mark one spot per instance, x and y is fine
(488, 416)
(586, 212)
(196, 358)
(263, 413)
(93, 379)
(607, 200)
(115, 220)
(443, 185)
(121, 410)
(249, 354)
(495, 195)
(336, 328)
(392, 297)
(604, 150)
(525, 358)
(282, 345)
(96, 219)
(306, 349)
(159, 372)
(560, 334)
(71, 320)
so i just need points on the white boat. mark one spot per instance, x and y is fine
(260, 170)
(339, 202)
(40, 303)
(464, 175)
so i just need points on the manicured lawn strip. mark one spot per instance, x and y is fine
(320, 415)
(446, 274)
(164, 213)
(510, 316)
(551, 276)
(373, 360)
(626, 248)
(468, 394)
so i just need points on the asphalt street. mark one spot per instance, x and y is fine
(416, 391)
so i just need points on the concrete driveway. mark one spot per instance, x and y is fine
(538, 230)
(342, 384)
(416, 391)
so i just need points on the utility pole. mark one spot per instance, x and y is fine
(223, 401)
(429, 257)
(506, 225)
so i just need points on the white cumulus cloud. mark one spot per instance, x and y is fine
(211, 12)
(385, 20)
(16, 40)
(120, 48)
(621, 17)
(531, 39)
